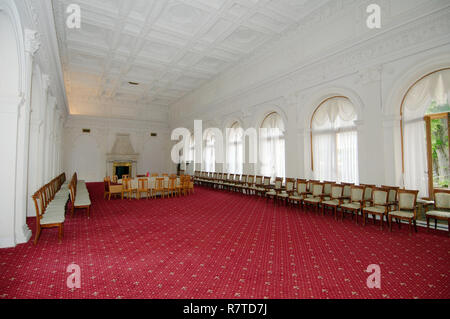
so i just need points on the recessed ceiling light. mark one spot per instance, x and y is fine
(133, 83)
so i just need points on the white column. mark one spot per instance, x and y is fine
(22, 232)
(48, 155)
(8, 128)
(33, 164)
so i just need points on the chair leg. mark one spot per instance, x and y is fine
(89, 211)
(60, 233)
(415, 225)
(428, 224)
(390, 223)
(435, 224)
(38, 234)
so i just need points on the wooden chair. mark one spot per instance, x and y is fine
(114, 190)
(334, 200)
(278, 187)
(171, 189)
(143, 188)
(378, 206)
(126, 188)
(441, 208)
(51, 220)
(368, 188)
(405, 209)
(248, 184)
(258, 184)
(186, 185)
(300, 192)
(289, 189)
(159, 187)
(151, 186)
(154, 175)
(106, 182)
(115, 179)
(316, 196)
(355, 203)
(179, 186)
(392, 197)
(327, 190)
(79, 200)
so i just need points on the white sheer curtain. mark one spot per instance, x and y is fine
(335, 141)
(235, 149)
(209, 153)
(272, 151)
(434, 87)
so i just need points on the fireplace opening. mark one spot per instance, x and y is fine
(121, 169)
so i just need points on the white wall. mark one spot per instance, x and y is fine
(30, 116)
(86, 153)
(332, 53)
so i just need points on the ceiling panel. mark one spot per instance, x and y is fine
(170, 47)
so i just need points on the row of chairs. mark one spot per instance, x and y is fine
(152, 187)
(50, 203)
(386, 202)
(79, 195)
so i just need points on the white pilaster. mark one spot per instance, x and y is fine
(22, 232)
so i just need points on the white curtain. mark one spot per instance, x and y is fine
(335, 141)
(272, 150)
(434, 87)
(235, 150)
(209, 154)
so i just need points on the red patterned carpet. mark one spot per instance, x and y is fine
(216, 244)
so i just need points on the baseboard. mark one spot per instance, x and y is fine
(6, 242)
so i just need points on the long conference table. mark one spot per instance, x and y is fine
(151, 181)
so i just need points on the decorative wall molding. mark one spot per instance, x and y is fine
(32, 41)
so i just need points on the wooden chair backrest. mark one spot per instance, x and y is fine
(302, 186)
(258, 180)
(327, 187)
(336, 191)
(380, 196)
(266, 181)
(278, 182)
(290, 182)
(143, 183)
(407, 199)
(357, 194)
(393, 190)
(442, 199)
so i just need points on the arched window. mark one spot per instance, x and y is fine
(272, 153)
(209, 153)
(235, 149)
(335, 141)
(425, 119)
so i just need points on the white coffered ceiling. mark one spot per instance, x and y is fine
(171, 47)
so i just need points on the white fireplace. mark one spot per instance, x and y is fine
(122, 153)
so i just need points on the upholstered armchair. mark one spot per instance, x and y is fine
(278, 187)
(335, 199)
(379, 206)
(405, 209)
(441, 209)
(316, 196)
(300, 193)
(288, 191)
(355, 203)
